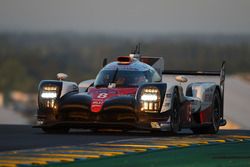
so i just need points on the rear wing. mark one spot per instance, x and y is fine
(220, 73)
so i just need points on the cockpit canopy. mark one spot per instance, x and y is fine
(130, 75)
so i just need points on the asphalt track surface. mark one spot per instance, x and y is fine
(19, 137)
(22, 145)
(16, 137)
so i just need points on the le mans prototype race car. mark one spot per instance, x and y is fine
(133, 93)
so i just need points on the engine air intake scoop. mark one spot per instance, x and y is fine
(124, 60)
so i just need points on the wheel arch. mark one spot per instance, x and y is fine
(179, 91)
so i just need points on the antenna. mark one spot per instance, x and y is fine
(136, 53)
(137, 49)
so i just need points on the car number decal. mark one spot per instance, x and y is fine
(102, 96)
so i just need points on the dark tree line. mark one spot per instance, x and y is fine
(25, 59)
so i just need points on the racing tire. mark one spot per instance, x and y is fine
(216, 116)
(59, 130)
(175, 113)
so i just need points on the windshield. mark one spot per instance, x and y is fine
(122, 78)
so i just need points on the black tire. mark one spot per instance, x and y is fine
(216, 116)
(58, 130)
(175, 113)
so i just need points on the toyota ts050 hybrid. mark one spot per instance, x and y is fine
(134, 92)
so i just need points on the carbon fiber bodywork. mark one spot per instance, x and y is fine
(123, 111)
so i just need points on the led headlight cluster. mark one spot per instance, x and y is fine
(49, 94)
(51, 104)
(150, 99)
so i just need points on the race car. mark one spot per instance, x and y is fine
(134, 92)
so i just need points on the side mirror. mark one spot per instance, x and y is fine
(61, 76)
(181, 78)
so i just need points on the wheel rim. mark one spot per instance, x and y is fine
(216, 114)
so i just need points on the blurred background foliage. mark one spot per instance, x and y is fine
(25, 59)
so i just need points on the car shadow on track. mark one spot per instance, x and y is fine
(134, 133)
(140, 133)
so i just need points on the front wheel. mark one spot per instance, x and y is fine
(175, 113)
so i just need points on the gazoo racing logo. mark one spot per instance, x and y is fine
(98, 101)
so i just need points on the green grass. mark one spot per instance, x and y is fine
(217, 155)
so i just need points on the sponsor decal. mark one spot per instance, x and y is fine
(100, 95)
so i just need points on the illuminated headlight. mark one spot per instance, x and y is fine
(48, 95)
(49, 92)
(149, 97)
(50, 88)
(150, 100)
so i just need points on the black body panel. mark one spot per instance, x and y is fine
(74, 111)
(118, 109)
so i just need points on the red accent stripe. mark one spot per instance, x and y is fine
(205, 115)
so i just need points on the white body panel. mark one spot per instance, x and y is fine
(68, 87)
(204, 92)
(84, 85)
(201, 99)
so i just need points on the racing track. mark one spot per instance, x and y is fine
(16, 137)
(22, 145)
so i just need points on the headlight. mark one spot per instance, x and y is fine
(49, 95)
(50, 88)
(150, 99)
(49, 92)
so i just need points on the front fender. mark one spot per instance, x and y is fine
(167, 103)
(63, 88)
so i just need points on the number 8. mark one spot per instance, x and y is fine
(102, 95)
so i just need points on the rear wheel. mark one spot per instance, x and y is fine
(213, 128)
(175, 114)
(58, 130)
